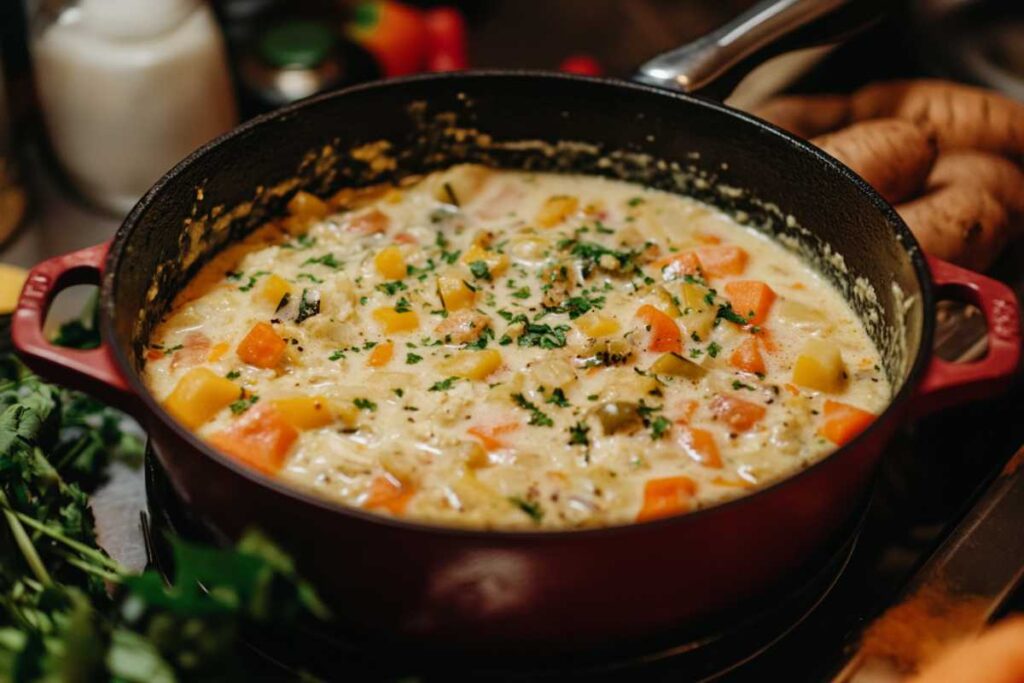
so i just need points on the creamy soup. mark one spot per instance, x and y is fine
(516, 350)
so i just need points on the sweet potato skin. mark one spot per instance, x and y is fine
(807, 115)
(959, 223)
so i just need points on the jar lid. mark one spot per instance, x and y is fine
(297, 44)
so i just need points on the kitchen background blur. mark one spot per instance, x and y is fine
(100, 97)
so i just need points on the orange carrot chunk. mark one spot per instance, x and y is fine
(389, 493)
(747, 357)
(675, 266)
(262, 347)
(700, 445)
(740, 415)
(489, 435)
(260, 439)
(719, 260)
(666, 497)
(750, 298)
(665, 335)
(843, 422)
(381, 354)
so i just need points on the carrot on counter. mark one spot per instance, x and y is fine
(718, 260)
(738, 414)
(261, 439)
(700, 445)
(843, 422)
(262, 347)
(389, 493)
(751, 299)
(489, 435)
(666, 497)
(665, 334)
(747, 357)
(381, 354)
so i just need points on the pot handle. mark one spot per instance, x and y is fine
(92, 371)
(766, 29)
(947, 384)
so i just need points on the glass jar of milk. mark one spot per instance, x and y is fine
(128, 88)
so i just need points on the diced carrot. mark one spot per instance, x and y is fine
(719, 260)
(747, 357)
(218, 351)
(798, 285)
(154, 354)
(791, 388)
(736, 483)
(677, 265)
(261, 439)
(381, 354)
(665, 335)
(369, 223)
(666, 497)
(406, 238)
(707, 238)
(262, 347)
(387, 492)
(750, 298)
(740, 415)
(489, 434)
(767, 339)
(843, 422)
(700, 445)
(686, 411)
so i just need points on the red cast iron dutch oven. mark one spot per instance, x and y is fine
(525, 591)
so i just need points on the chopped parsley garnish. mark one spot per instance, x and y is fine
(252, 280)
(365, 404)
(450, 192)
(558, 398)
(243, 404)
(171, 349)
(521, 293)
(301, 243)
(635, 201)
(737, 385)
(327, 260)
(450, 257)
(659, 427)
(726, 312)
(402, 306)
(590, 254)
(542, 335)
(481, 341)
(412, 359)
(578, 434)
(537, 416)
(399, 392)
(714, 349)
(531, 508)
(391, 288)
(696, 353)
(444, 384)
(310, 277)
(480, 270)
(234, 374)
(337, 355)
(577, 305)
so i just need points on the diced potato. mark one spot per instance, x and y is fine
(460, 184)
(393, 321)
(801, 316)
(624, 384)
(454, 292)
(597, 325)
(463, 327)
(556, 209)
(530, 249)
(497, 263)
(820, 366)
(306, 205)
(698, 316)
(694, 296)
(606, 352)
(390, 263)
(554, 373)
(199, 395)
(619, 417)
(472, 364)
(217, 351)
(675, 365)
(668, 304)
(274, 288)
(311, 412)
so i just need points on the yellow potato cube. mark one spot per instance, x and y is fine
(306, 205)
(393, 321)
(694, 296)
(820, 366)
(556, 209)
(675, 365)
(698, 316)
(310, 412)
(454, 293)
(390, 263)
(274, 288)
(460, 184)
(597, 325)
(199, 395)
(472, 364)
(497, 263)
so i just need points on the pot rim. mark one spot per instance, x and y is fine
(153, 410)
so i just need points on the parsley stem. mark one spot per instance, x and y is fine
(91, 553)
(88, 568)
(28, 550)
